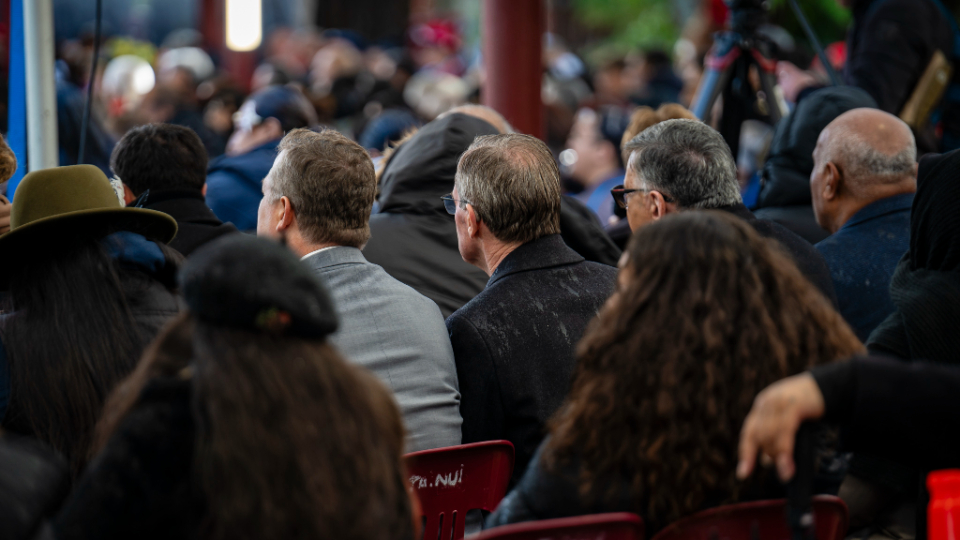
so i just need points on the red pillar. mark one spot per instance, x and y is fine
(240, 65)
(512, 40)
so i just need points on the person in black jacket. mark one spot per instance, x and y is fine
(925, 291)
(926, 284)
(870, 398)
(680, 165)
(889, 47)
(415, 240)
(706, 313)
(164, 167)
(785, 179)
(242, 421)
(514, 343)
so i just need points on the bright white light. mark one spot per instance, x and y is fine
(568, 157)
(244, 24)
(143, 79)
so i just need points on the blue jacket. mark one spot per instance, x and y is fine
(862, 256)
(233, 185)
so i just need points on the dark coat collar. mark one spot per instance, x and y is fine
(881, 207)
(545, 252)
(740, 210)
(183, 206)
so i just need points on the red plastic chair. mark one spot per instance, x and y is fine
(449, 481)
(617, 526)
(760, 520)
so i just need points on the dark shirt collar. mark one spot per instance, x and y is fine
(882, 207)
(545, 252)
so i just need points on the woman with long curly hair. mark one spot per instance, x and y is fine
(706, 314)
(241, 421)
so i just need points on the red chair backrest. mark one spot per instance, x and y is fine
(618, 526)
(760, 520)
(449, 481)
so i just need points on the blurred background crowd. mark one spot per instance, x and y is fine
(377, 72)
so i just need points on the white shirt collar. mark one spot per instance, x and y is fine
(312, 253)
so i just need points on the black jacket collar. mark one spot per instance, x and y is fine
(740, 210)
(545, 252)
(183, 206)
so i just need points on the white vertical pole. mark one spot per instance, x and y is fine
(38, 38)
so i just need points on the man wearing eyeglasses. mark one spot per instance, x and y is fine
(234, 179)
(514, 342)
(680, 165)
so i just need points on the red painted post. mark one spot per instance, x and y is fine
(240, 65)
(512, 40)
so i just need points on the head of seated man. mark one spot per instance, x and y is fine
(319, 192)
(160, 158)
(507, 192)
(863, 156)
(677, 165)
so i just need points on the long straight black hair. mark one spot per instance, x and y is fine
(70, 337)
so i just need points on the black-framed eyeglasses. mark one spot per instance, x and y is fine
(450, 204)
(620, 193)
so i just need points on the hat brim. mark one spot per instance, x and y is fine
(18, 244)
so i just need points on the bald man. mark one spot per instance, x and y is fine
(863, 181)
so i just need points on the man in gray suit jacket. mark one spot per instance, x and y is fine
(317, 197)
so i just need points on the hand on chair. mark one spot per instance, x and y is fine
(771, 426)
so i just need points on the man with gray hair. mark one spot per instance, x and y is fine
(514, 342)
(317, 198)
(680, 165)
(862, 184)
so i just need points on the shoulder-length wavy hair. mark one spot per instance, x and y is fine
(291, 440)
(706, 314)
(70, 337)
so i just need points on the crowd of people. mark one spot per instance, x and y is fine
(236, 324)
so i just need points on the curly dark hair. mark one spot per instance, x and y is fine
(706, 314)
(292, 441)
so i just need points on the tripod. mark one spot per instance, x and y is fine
(728, 66)
(728, 73)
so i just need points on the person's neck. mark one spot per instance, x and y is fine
(846, 212)
(494, 252)
(303, 247)
(600, 175)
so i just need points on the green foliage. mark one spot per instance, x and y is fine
(631, 25)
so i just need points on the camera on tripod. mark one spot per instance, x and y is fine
(727, 71)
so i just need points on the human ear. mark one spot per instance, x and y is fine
(287, 216)
(832, 178)
(473, 221)
(658, 206)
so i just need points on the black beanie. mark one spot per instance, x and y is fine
(255, 284)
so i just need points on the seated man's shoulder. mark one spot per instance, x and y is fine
(600, 270)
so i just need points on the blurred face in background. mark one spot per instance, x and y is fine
(251, 130)
(595, 156)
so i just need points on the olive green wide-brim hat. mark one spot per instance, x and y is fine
(66, 201)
